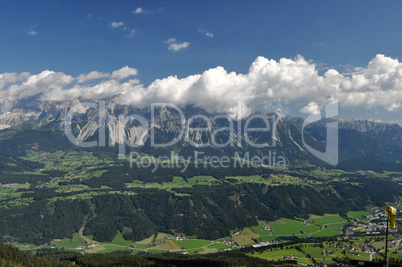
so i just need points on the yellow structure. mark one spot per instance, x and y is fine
(391, 211)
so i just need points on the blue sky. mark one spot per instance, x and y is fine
(76, 37)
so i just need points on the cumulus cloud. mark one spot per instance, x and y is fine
(10, 78)
(93, 75)
(116, 25)
(267, 83)
(138, 10)
(123, 73)
(311, 108)
(176, 46)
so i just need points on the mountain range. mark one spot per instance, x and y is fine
(32, 127)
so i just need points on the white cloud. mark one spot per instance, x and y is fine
(178, 46)
(123, 73)
(394, 107)
(10, 78)
(116, 25)
(121, 25)
(141, 10)
(272, 83)
(318, 44)
(131, 34)
(171, 40)
(175, 46)
(91, 76)
(32, 33)
(269, 83)
(311, 108)
(208, 34)
(138, 10)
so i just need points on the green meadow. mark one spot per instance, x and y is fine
(360, 215)
(193, 243)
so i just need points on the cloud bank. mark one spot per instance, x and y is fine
(268, 83)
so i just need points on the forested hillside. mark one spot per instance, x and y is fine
(208, 212)
(13, 257)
